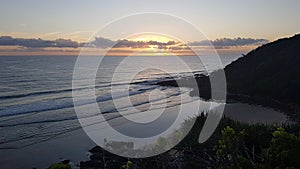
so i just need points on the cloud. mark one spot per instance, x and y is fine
(227, 42)
(101, 42)
(104, 43)
(37, 43)
(63, 43)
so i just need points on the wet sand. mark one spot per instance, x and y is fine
(75, 145)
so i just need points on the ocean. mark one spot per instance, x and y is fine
(36, 104)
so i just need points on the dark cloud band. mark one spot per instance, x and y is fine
(37, 43)
(230, 42)
(101, 42)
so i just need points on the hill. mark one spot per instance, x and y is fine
(270, 71)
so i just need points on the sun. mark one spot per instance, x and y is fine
(150, 44)
(151, 37)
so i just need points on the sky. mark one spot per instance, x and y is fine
(78, 20)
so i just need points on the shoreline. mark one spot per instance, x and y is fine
(203, 91)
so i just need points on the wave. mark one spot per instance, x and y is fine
(64, 102)
(52, 104)
(139, 81)
(48, 92)
(109, 111)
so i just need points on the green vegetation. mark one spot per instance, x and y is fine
(233, 145)
(283, 152)
(127, 165)
(61, 165)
